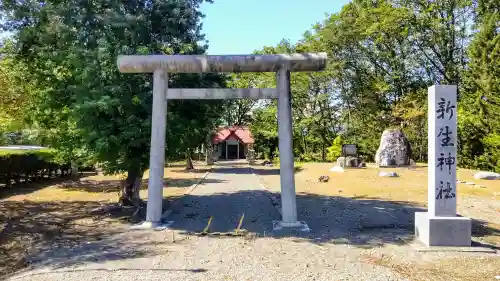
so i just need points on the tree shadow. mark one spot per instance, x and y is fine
(235, 162)
(113, 186)
(32, 186)
(360, 222)
(246, 169)
(238, 167)
(175, 164)
(61, 234)
(195, 171)
(273, 171)
(182, 164)
(64, 233)
(481, 228)
(194, 270)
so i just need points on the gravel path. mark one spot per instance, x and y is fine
(231, 192)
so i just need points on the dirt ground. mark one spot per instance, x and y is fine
(36, 216)
(482, 204)
(47, 215)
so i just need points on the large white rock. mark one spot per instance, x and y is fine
(388, 174)
(486, 176)
(337, 169)
(394, 149)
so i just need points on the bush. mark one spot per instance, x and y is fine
(490, 159)
(275, 157)
(335, 151)
(310, 157)
(29, 164)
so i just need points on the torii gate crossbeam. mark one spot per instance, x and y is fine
(281, 64)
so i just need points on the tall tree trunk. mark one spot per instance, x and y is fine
(209, 151)
(305, 143)
(74, 168)
(209, 155)
(272, 149)
(189, 160)
(323, 152)
(131, 187)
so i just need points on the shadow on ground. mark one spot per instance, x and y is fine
(261, 171)
(332, 219)
(195, 171)
(258, 170)
(115, 185)
(360, 222)
(61, 234)
(165, 270)
(37, 229)
(31, 186)
(233, 163)
(66, 233)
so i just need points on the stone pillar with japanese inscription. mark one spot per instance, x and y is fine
(442, 134)
(441, 226)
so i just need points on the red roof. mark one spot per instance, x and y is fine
(241, 133)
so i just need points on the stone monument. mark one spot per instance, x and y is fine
(394, 149)
(349, 158)
(441, 226)
(349, 161)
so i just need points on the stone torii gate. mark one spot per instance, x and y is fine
(281, 64)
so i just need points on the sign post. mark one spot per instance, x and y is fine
(349, 150)
(441, 226)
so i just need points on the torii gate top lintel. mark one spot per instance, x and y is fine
(162, 65)
(223, 63)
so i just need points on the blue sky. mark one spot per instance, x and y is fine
(242, 26)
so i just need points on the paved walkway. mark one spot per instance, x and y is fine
(230, 191)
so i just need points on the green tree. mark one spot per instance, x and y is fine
(479, 124)
(335, 150)
(238, 112)
(440, 31)
(72, 46)
(17, 95)
(382, 57)
(264, 129)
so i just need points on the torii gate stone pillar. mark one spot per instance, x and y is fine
(281, 64)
